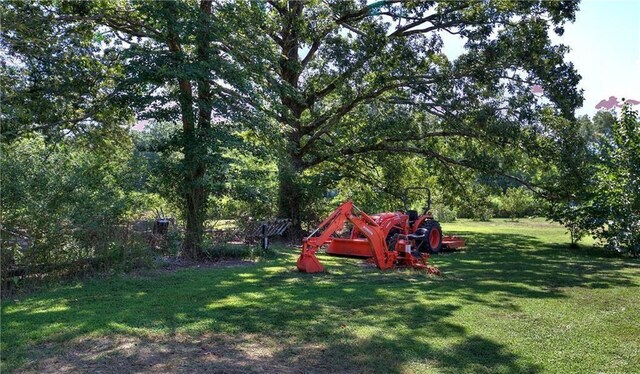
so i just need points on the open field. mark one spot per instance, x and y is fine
(516, 300)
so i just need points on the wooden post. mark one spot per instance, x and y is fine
(265, 238)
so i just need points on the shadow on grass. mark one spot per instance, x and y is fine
(265, 318)
(524, 266)
(325, 346)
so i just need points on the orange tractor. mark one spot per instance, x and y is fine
(401, 238)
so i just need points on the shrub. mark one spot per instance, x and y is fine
(517, 202)
(227, 251)
(444, 213)
(609, 205)
(65, 208)
(614, 214)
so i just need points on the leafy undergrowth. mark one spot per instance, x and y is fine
(516, 300)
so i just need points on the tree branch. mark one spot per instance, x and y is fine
(312, 51)
(443, 159)
(119, 22)
(402, 31)
(88, 114)
(276, 39)
(323, 123)
(365, 11)
(247, 100)
(281, 10)
(186, 93)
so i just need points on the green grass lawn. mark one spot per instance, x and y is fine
(518, 299)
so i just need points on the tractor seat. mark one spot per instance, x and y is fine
(418, 235)
(413, 215)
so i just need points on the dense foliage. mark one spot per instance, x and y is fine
(326, 86)
(616, 203)
(66, 207)
(104, 61)
(609, 207)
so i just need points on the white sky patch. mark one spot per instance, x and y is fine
(453, 45)
(605, 49)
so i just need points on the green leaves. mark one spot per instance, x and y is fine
(606, 201)
(62, 81)
(325, 87)
(616, 201)
(61, 195)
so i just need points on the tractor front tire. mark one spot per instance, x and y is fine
(392, 239)
(433, 237)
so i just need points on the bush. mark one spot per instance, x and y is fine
(609, 205)
(65, 208)
(517, 202)
(480, 208)
(614, 214)
(227, 251)
(444, 213)
(572, 216)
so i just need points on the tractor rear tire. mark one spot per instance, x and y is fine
(433, 240)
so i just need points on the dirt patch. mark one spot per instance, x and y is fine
(212, 353)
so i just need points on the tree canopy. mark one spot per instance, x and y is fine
(332, 90)
(355, 78)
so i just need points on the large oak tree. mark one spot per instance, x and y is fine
(354, 78)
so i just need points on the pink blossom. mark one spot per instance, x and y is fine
(537, 89)
(610, 103)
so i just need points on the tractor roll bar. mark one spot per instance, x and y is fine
(406, 202)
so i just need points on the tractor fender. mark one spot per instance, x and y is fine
(419, 222)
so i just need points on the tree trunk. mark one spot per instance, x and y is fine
(195, 197)
(290, 194)
(194, 194)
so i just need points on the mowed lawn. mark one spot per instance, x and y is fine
(518, 299)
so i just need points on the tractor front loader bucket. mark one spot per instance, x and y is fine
(308, 262)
